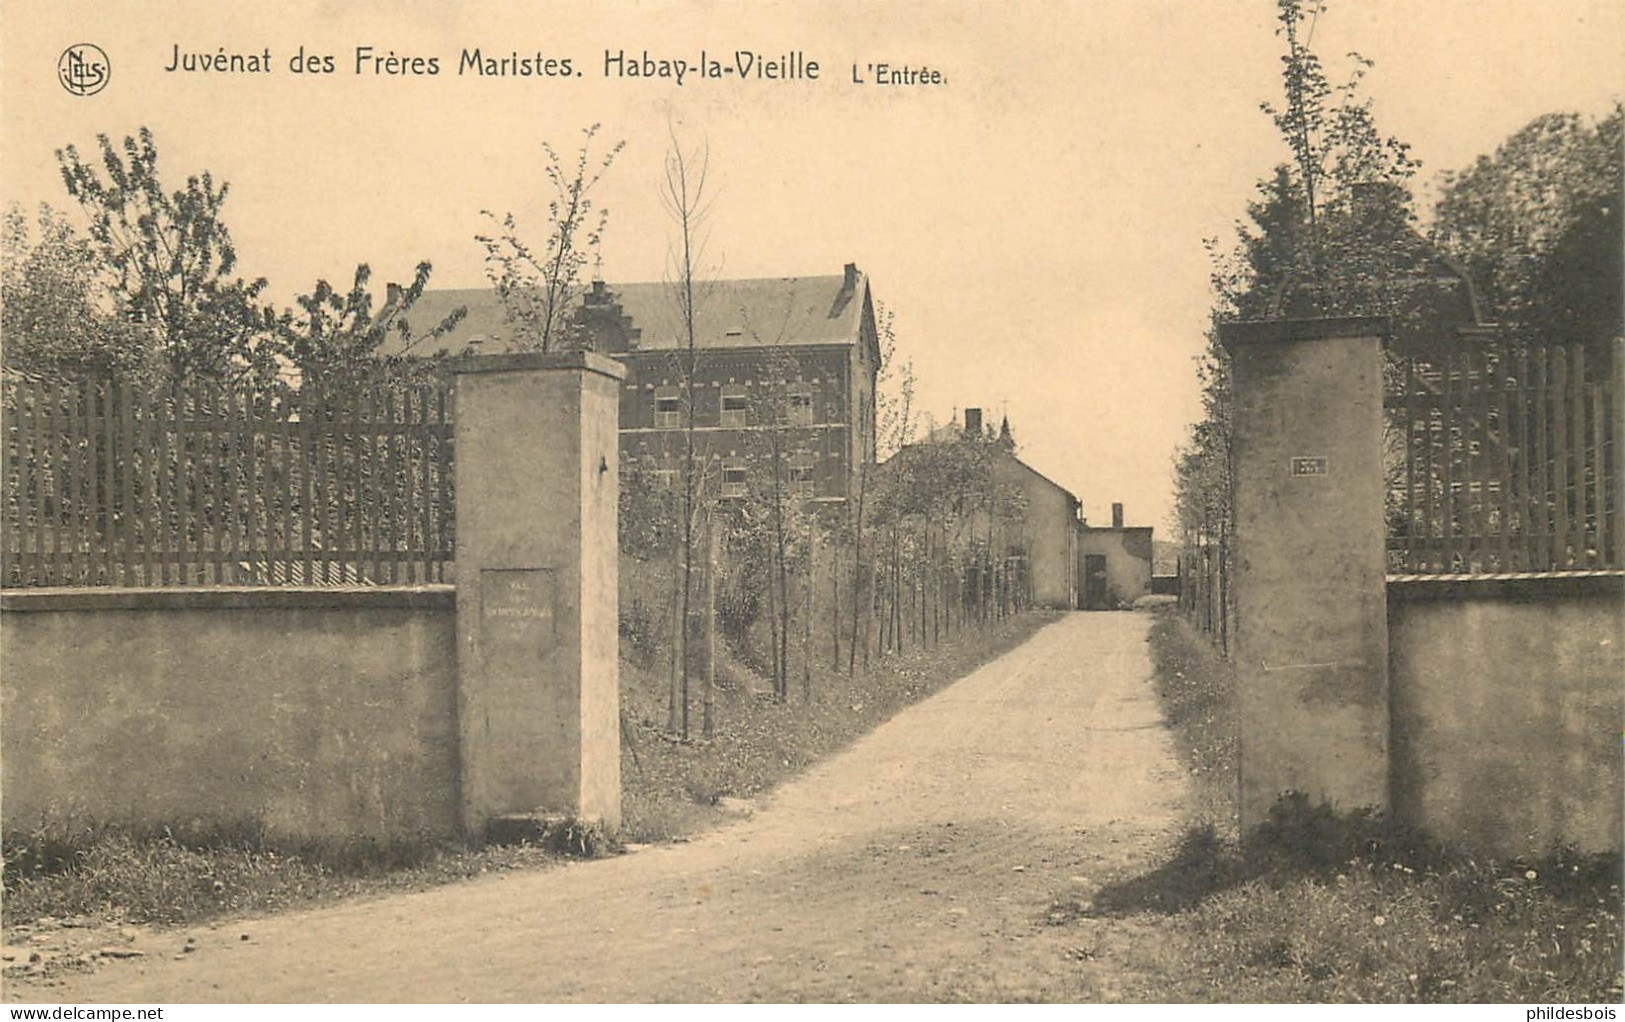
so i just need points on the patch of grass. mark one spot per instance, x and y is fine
(1381, 930)
(163, 877)
(564, 835)
(1197, 689)
(1319, 906)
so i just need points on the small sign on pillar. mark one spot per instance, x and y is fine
(518, 617)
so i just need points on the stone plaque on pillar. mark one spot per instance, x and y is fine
(518, 618)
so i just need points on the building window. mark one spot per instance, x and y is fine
(734, 406)
(668, 408)
(801, 476)
(666, 478)
(799, 405)
(733, 477)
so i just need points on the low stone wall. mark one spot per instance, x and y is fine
(1507, 702)
(316, 714)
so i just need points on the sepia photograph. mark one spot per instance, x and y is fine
(1111, 502)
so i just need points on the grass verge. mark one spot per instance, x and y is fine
(1197, 689)
(1323, 907)
(111, 875)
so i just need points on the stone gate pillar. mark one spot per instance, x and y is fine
(537, 490)
(1311, 633)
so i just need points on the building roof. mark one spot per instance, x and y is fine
(1070, 496)
(946, 433)
(954, 432)
(728, 313)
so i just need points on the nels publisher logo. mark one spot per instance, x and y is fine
(83, 69)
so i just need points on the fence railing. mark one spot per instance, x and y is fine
(114, 483)
(1505, 458)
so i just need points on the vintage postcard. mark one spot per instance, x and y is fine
(827, 501)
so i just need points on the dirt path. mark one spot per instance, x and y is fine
(933, 860)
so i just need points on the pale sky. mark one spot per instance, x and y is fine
(1035, 223)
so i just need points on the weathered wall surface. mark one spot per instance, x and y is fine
(370, 713)
(536, 623)
(1508, 699)
(1051, 518)
(1128, 560)
(1485, 710)
(1311, 624)
(316, 714)
(599, 698)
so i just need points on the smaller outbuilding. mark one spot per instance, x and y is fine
(1114, 564)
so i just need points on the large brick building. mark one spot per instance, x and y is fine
(785, 363)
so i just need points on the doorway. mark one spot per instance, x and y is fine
(1094, 582)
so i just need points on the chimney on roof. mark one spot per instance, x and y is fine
(1117, 516)
(849, 280)
(973, 423)
(392, 295)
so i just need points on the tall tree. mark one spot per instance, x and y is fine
(894, 428)
(1537, 226)
(1331, 232)
(1334, 231)
(171, 261)
(539, 287)
(686, 197)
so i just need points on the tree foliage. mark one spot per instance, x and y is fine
(1331, 232)
(170, 260)
(895, 414)
(337, 335)
(951, 526)
(160, 268)
(55, 311)
(539, 286)
(1537, 226)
